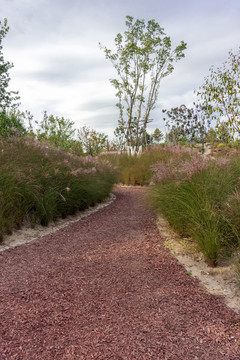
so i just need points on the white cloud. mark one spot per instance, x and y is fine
(60, 68)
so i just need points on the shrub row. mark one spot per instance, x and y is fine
(39, 183)
(201, 198)
(137, 170)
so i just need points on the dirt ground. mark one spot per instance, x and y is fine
(221, 280)
(107, 287)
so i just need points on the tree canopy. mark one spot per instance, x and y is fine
(7, 98)
(57, 130)
(190, 124)
(93, 142)
(143, 57)
(11, 123)
(220, 93)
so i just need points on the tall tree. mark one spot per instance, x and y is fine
(143, 56)
(7, 98)
(220, 93)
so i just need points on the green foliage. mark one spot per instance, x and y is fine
(133, 170)
(11, 124)
(39, 183)
(7, 98)
(176, 136)
(93, 142)
(157, 136)
(221, 134)
(57, 131)
(137, 170)
(74, 147)
(143, 57)
(186, 125)
(199, 207)
(220, 93)
(211, 136)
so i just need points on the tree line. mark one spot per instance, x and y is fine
(58, 131)
(143, 56)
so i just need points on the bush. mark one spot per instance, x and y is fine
(137, 170)
(41, 183)
(11, 124)
(197, 202)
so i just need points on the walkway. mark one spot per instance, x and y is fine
(106, 288)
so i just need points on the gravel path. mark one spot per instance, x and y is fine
(106, 288)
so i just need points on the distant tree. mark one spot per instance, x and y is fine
(28, 120)
(7, 98)
(212, 136)
(93, 142)
(190, 124)
(224, 134)
(75, 147)
(176, 136)
(143, 57)
(113, 145)
(220, 93)
(157, 136)
(57, 130)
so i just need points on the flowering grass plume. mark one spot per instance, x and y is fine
(41, 183)
(200, 198)
(136, 170)
(181, 165)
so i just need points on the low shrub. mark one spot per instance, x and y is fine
(137, 170)
(195, 196)
(41, 183)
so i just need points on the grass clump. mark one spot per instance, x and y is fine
(40, 183)
(200, 199)
(137, 170)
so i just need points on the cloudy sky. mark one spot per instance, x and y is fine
(59, 67)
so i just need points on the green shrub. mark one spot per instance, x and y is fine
(40, 183)
(198, 206)
(137, 170)
(11, 124)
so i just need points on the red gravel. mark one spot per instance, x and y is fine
(106, 288)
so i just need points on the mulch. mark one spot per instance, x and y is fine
(106, 288)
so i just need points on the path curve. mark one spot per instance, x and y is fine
(106, 288)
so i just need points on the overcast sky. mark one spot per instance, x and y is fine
(59, 67)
